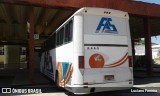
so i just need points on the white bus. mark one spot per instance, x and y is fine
(90, 52)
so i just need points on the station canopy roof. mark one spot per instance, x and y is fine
(14, 23)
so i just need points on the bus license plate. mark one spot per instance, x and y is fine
(109, 77)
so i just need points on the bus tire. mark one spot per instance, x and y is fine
(57, 79)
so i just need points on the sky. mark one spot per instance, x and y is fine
(150, 1)
(157, 38)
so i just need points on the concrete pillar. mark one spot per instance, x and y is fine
(12, 56)
(148, 48)
(31, 45)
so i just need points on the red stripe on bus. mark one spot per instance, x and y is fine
(120, 62)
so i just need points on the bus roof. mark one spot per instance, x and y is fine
(99, 11)
(102, 11)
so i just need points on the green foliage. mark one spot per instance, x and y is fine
(141, 41)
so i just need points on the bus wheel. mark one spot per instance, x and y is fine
(57, 79)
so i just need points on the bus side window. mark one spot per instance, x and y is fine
(66, 33)
(54, 41)
(57, 35)
(70, 31)
(61, 35)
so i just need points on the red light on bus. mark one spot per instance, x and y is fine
(130, 61)
(81, 62)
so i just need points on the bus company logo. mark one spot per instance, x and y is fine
(105, 26)
(96, 61)
(97, 58)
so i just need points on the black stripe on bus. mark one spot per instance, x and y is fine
(115, 45)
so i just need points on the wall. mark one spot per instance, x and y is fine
(12, 56)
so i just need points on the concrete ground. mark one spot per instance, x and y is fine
(19, 79)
